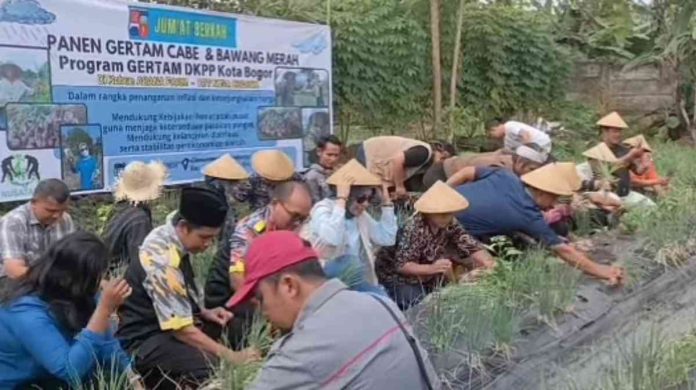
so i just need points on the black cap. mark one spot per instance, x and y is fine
(203, 206)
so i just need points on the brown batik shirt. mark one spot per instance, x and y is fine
(420, 244)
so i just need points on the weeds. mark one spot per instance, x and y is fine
(651, 364)
(489, 315)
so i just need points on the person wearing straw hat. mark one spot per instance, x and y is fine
(137, 185)
(333, 338)
(342, 226)
(605, 171)
(458, 170)
(271, 167)
(650, 181)
(628, 158)
(431, 243)
(501, 203)
(162, 322)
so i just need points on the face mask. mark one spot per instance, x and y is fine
(85, 153)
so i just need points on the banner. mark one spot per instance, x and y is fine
(87, 86)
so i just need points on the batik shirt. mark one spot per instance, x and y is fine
(248, 228)
(421, 245)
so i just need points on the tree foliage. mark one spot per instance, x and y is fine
(510, 63)
(381, 68)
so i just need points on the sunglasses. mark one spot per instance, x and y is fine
(295, 217)
(364, 197)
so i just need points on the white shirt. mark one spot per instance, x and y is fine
(514, 138)
(12, 91)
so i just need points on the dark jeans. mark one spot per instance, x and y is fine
(167, 363)
(407, 295)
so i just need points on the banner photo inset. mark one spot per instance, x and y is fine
(87, 86)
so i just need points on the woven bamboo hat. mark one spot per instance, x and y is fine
(552, 178)
(600, 152)
(613, 120)
(441, 199)
(226, 168)
(354, 173)
(273, 165)
(140, 182)
(638, 141)
(571, 174)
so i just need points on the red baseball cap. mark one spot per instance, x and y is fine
(269, 254)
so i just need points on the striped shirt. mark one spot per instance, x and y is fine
(22, 236)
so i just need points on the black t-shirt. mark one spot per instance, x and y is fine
(125, 232)
(624, 176)
(217, 287)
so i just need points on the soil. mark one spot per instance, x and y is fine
(572, 352)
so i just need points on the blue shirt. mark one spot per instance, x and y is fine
(33, 346)
(86, 167)
(499, 204)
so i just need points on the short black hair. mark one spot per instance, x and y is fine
(443, 146)
(284, 190)
(328, 139)
(494, 122)
(51, 189)
(308, 269)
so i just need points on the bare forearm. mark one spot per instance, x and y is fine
(462, 176)
(194, 337)
(415, 269)
(99, 322)
(15, 268)
(577, 259)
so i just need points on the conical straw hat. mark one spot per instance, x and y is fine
(600, 152)
(638, 141)
(613, 120)
(273, 165)
(441, 199)
(571, 174)
(226, 168)
(140, 182)
(551, 178)
(354, 174)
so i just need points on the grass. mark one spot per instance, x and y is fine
(651, 363)
(487, 316)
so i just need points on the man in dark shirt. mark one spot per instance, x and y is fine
(138, 184)
(501, 203)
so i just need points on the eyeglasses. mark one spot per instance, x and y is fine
(295, 217)
(364, 197)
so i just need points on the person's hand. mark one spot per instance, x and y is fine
(386, 198)
(114, 293)
(636, 153)
(343, 189)
(664, 181)
(473, 275)
(400, 192)
(612, 274)
(248, 355)
(441, 266)
(217, 315)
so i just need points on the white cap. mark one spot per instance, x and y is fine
(531, 154)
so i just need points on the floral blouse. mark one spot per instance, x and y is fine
(418, 243)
